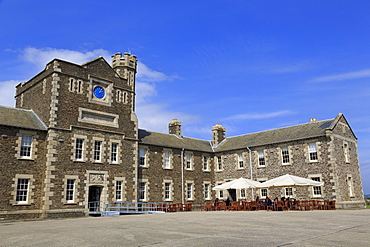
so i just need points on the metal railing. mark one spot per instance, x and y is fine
(118, 207)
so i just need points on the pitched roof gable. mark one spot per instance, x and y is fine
(20, 118)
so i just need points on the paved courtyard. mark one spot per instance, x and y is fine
(261, 228)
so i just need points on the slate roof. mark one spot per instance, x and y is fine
(20, 118)
(173, 141)
(297, 132)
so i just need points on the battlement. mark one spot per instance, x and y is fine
(127, 60)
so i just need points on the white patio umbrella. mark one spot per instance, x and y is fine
(240, 183)
(288, 181)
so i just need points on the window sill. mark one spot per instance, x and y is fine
(259, 167)
(26, 158)
(206, 171)
(314, 161)
(167, 168)
(287, 164)
(70, 203)
(22, 204)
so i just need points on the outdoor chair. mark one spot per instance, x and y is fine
(331, 205)
(254, 206)
(172, 207)
(209, 206)
(188, 206)
(280, 206)
(235, 206)
(246, 206)
(221, 206)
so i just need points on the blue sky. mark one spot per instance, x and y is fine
(248, 65)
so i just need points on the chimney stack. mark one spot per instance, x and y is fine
(218, 134)
(175, 127)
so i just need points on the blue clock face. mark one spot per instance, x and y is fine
(99, 92)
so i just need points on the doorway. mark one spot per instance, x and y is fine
(94, 198)
(232, 194)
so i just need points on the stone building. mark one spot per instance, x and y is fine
(73, 138)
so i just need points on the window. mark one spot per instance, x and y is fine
(79, 86)
(114, 152)
(71, 85)
(26, 146)
(261, 159)
(285, 155)
(22, 190)
(118, 190)
(242, 193)
(142, 160)
(316, 189)
(219, 163)
(70, 190)
(167, 191)
(188, 162)
(240, 161)
(221, 194)
(346, 152)
(79, 149)
(288, 192)
(263, 193)
(312, 151)
(205, 163)
(189, 191)
(97, 151)
(207, 194)
(350, 186)
(142, 191)
(166, 160)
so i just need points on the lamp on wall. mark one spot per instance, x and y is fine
(4, 136)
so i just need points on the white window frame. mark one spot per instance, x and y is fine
(143, 191)
(261, 159)
(143, 157)
(114, 152)
(189, 161)
(97, 150)
(118, 190)
(22, 191)
(70, 190)
(207, 190)
(167, 164)
(263, 193)
(206, 163)
(243, 193)
(312, 152)
(79, 150)
(240, 161)
(26, 147)
(190, 190)
(219, 163)
(316, 190)
(167, 191)
(288, 191)
(285, 156)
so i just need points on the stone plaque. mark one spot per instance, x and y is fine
(96, 178)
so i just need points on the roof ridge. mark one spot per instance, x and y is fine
(286, 127)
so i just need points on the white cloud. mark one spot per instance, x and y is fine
(145, 74)
(8, 92)
(42, 56)
(248, 116)
(342, 77)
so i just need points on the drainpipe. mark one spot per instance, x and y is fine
(250, 165)
(182, 176)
